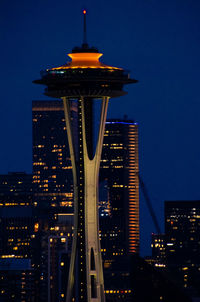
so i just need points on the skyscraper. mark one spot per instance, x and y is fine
(119, 206)
(52, 170)
(119, 171)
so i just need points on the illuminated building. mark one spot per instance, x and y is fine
(119, 170)
(119, 201)
(16, 214)
(86, 80)
(17, 238)
(52, 171)
(182, 228)
(53, 188)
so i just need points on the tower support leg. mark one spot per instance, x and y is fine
(71, 275)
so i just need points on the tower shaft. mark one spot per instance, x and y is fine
(86, 249)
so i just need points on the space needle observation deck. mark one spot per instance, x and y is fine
(86, 80)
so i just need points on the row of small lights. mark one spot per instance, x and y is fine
(128, 291)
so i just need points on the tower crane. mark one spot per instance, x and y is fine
(149, 204)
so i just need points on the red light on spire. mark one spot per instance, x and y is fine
(84, 27)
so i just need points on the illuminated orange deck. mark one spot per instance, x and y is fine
(85, 60)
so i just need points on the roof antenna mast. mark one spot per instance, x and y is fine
(84, 29)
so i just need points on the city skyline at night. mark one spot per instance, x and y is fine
(70, 225)
(158, 41)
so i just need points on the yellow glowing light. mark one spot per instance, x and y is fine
(85, 60)
(185, 268)
(84, 12)
(36, 227)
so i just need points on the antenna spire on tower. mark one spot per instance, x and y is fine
(84, 28)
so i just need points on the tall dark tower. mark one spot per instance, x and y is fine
(86, 80)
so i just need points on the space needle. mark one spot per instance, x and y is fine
(86, 80)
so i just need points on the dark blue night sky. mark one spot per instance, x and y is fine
(159, 41)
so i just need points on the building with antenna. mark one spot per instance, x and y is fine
(86, 80)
